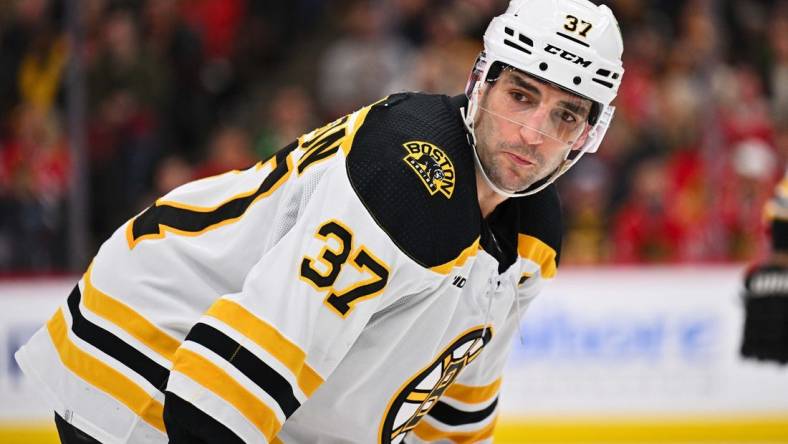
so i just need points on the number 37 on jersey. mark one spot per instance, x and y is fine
(328, 273)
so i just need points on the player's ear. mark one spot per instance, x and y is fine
(582, 139)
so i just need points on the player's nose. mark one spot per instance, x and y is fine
(532, 124)
(530, 132)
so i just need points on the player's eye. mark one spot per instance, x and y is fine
(568, 117)
(517, 96)
(522, 99)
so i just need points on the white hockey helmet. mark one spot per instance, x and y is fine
(572, 44)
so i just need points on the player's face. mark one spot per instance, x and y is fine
(525, 129)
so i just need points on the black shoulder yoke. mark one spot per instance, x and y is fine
(537, 215)
(541, 217)
(412, 167)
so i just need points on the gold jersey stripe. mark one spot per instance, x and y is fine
(718, 427)
(529, 247)
(429, 433)
(417, 396)
(270, 340)
(128, 319)
(473, 394)
(102, 376)
(459, 261)
(213, 378)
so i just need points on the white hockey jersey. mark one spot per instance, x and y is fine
(344, 291)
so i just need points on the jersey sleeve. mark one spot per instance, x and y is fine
(257, 355)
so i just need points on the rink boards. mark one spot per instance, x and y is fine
(604, 355)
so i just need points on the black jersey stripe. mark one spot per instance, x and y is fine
(191, 221)
(188, 424)
(268, 379)
(113, 345)
(455, 417)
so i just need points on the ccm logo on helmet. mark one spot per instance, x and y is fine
(566, 55)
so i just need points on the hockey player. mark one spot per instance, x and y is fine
(766, 290)
(363, 284)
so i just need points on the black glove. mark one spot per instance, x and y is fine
(766, 313)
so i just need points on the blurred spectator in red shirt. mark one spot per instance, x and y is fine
(34, 176)
(642, 230)
(217, 21)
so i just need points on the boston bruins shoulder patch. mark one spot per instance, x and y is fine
(432, 165)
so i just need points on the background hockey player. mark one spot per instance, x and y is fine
(766, 290)
(363, 284)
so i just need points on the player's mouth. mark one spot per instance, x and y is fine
(517, 159)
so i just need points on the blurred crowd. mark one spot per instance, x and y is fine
(181, 89)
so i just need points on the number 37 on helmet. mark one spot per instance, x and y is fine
(572, 44)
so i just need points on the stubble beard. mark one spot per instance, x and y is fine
(494, 164)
